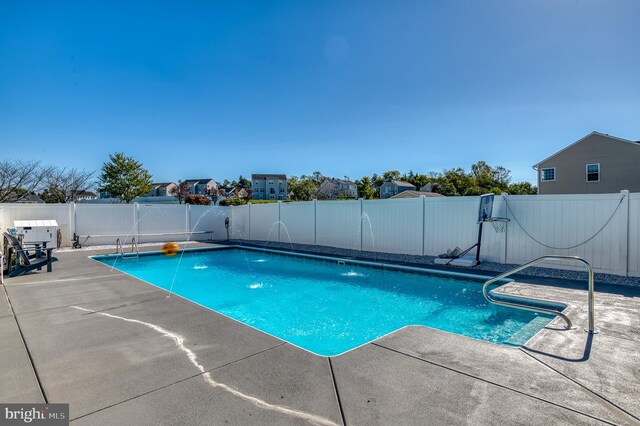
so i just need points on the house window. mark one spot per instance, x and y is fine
(270, 182)
(272, 190)
(547, 175)
(593, 172)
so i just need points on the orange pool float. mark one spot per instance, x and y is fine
(170, 249)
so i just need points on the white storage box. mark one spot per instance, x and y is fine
(38, 231)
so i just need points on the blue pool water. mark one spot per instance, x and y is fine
(325, 307)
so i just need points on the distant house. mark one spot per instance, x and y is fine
(269, 187)
(393, 187)
(28, 199)
(427, 188)
(202, 186)
(84, 195)
(240, 192)
(164, 189)
(416, 194)
(336, 188)
(226, 191)
(596, 164)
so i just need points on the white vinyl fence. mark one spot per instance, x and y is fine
(602, 228)
(104, 223)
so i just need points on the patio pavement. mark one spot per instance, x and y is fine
(120, 352)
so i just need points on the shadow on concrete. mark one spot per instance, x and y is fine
(585, 354)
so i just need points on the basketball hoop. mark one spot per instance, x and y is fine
(499, 223)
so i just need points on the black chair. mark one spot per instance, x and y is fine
(27, 259)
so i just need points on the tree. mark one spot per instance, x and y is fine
(124, 178)
(65, 185)
(243, 182)
(213, 193)
(181, 191)
(490, 179)
(20, 178)
(522, 188)
(53, 194)
(365, 188)
(416, 179)
(376, 182)
(391, 175)
(482, 179)
(303, 189)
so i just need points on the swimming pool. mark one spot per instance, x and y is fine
(325, 307)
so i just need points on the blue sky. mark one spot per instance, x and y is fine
(219, 89)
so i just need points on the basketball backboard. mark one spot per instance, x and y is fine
(486, 207)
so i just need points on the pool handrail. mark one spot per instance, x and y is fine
(119, 248)
(134, 246)
(487, 294)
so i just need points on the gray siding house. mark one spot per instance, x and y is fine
(394, 187)
(269, 187)
(331, 189)
(164, 189)
(202, 186)
(595, 164)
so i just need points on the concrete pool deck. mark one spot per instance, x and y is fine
(120, 352)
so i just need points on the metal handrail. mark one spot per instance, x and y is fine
(487, 296)
(119, 249)
(134, 244)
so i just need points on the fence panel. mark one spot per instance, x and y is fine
(61, 213)
(564, 221)
(162, 219)
(449, 222)
(264, 222)
(392, 226)
(208, 219)
(297, 222)
(634, 235)
(114, 220)
(338, 224)
(239, 223)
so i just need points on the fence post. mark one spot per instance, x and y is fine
(136, 225)
(361, 213)
(505, 195)
(72, 220)
(423, 201)
(249, 227)
(315, 222)
(279, 220)
(187, 222)
(624, 240)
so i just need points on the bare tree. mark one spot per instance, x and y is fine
(21, 178)
(65, 185)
